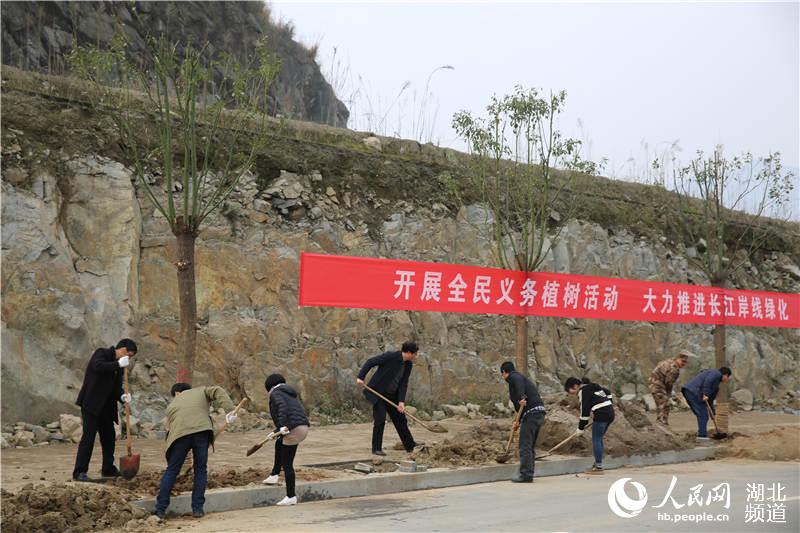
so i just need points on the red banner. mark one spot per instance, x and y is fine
(360, 282)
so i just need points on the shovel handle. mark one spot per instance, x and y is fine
(563, 442)
(712, 415)
(513, 429)
(390, 402)
(127, 409)
(235, 412)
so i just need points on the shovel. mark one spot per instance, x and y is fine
(434, 428)
(253, 449)
(128, 465)
(560, 444)
(719, 435)
(503, 457)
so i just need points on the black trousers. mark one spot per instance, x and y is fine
(379, 410)
(284, 459)
(92, 425)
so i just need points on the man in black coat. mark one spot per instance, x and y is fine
(391, 380)
(101, 390)
(524, 395)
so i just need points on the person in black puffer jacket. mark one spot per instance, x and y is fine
(291, 420)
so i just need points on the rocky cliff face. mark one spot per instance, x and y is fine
(86, 261)
(39, 35)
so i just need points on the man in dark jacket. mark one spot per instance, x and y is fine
(595, 402)
(524, 395)
(700, 393)
(391, 380)
(291, 420)
(98, 397)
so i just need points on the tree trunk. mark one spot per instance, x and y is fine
(187, 300)
(521, 327)
(720, 352)
(720, 359)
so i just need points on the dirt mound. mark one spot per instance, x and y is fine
(146, 483)
(480, 444)
(69, 508)
(779, 444)
(630, 433)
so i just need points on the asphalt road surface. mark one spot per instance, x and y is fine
(564, 503)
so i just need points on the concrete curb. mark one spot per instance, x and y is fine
(375, 484)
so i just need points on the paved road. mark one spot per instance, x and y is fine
(565, 503)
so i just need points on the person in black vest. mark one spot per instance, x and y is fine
(595, 402)
(524, 395)
(291, 420)
(391, 380)
(98, 397)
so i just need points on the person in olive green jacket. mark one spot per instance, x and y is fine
(189, 427)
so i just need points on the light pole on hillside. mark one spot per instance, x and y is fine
(424, 102)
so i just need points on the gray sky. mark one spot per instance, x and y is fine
(698, 73)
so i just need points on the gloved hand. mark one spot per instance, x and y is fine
(284, 430)
(126, 398)
(124, 361)
(230, 418)
(579, 431)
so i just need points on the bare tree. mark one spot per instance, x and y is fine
(199, 120)
(720, 206)
(515, 150)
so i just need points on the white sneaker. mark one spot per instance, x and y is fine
(271, 480)
(288, 501)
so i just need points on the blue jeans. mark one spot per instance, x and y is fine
(700, 410)
(598, 431)
(198, 443)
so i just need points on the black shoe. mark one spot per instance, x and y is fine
(160, 514)
(83, 476)
(198, 514)
(520, 479)
(379, 452)
(111, 473)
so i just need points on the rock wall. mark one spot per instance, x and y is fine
(39, 35)
(86, 261)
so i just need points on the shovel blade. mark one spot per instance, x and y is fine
(503, 458)
(129, 465)
(253, 449)
(436, 428)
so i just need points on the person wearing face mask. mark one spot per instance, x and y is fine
(98, 397)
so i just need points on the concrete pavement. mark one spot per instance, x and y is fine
(565, 503)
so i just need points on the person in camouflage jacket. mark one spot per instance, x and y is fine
(662, 379)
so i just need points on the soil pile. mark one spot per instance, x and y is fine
(70, 508)
(630, 433)
(779, 444)
(147, 483)
(480, 444)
